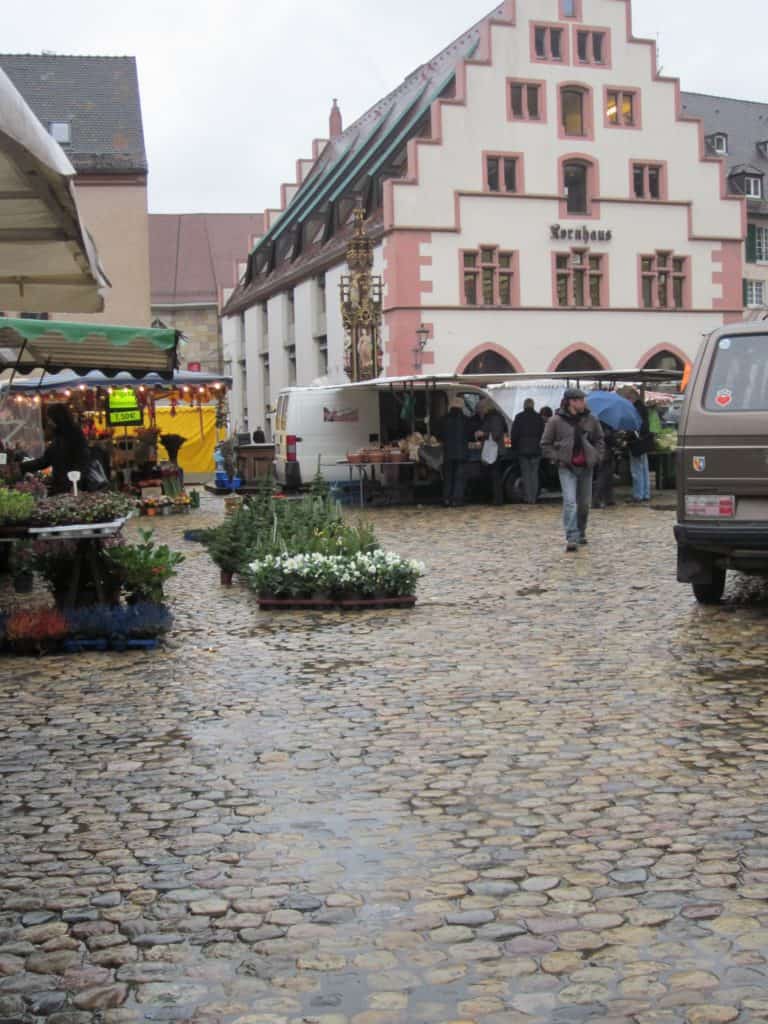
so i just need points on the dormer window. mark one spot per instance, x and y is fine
(753, 186)
(720, 144)
(61, 132)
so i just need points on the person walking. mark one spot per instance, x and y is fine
(573, 439)
(493, 427)
(527, 428)
(454, 433)
(640, 444)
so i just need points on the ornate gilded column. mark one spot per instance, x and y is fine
(361, 307)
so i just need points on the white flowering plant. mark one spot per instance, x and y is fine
(367, 574)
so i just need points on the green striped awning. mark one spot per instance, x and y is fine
(58, 345)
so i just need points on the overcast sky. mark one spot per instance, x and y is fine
(233, 91)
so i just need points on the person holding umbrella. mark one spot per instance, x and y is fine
(573, 439)
(617, 415)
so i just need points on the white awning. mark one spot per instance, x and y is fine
(48, 262)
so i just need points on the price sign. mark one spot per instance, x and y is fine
(123, 408)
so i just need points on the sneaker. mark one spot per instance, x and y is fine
(583, 541)
(571, 547)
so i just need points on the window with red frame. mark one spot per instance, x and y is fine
(488, 274)
(569, 8)
(548, 42)
(525, 101)
(664, 276)
(573, 111)
(647, 181)
(621, 108)
(591, 47)
(501, 173)
(580, 278)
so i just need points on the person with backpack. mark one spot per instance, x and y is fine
(527, 428)
(573, 439)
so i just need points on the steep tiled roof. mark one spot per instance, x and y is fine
(193, 256)
(362, 151)
(97, 96)
(744, 122)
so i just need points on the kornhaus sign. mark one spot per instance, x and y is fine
(583, 234)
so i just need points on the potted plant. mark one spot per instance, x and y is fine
(231, 544)
(16, 507)
(22, 566)
(145, 567)
(37, 631)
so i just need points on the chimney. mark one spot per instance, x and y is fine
(335, 126)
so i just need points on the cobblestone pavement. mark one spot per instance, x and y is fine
(538, 797)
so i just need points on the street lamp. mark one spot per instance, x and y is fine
(422, 337)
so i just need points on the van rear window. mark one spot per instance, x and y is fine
(738, 379)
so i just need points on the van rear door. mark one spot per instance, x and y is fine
(724, 436)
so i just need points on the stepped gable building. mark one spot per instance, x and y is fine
(737, 131)
(91, 107)
(538, 200)
(195, 259)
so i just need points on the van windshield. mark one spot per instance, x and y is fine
(738, 379)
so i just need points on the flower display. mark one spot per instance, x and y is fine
(377, 573)
(67, 509)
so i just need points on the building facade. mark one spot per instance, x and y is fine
(196, 258)
(737, 131)
(538, 198)
(91, 107)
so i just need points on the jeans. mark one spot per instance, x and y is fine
(576, 484)
(529, 471)
(453, 481)
(641, 477)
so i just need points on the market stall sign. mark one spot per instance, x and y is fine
(123, 409)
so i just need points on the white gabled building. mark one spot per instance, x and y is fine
(538, 201)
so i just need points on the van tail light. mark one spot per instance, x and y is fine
(710, 506)
(290, 448)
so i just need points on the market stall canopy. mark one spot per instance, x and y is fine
(95, 379)
(51, 345)
(47, 259)
(603, 378)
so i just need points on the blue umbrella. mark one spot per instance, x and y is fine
(614, 411)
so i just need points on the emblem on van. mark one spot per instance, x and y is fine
(699, 463)
(724, 397)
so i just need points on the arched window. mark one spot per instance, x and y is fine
(665, 361)
(576, 186)
(489, 362)
(578, 362)
(573, 112)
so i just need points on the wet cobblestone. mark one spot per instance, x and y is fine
(538, 797)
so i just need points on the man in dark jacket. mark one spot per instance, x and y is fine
(573, 439)
(527, 428)
(640, 444)
(453, 432)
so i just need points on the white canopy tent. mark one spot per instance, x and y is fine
(48, 262)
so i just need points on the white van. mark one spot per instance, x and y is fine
(316, 427)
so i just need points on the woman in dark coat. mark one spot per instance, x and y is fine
(67, 450)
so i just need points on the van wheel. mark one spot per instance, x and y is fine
(710, 593)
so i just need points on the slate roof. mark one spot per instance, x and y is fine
(745, 122)
(98, 96)
(363, 150)
(193, 256)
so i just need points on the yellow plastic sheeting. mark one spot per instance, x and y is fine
(196, 455)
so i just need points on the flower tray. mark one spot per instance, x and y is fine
(325, 604)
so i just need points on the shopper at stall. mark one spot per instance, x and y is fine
(640, 444)
(493, 427)
(259, 437)
(602, 491)
(454, 432)
(573, 439)
(527, 428)
(67, 450)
